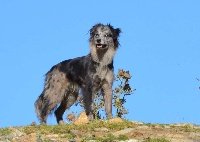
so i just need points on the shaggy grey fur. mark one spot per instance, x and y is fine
(90, 74)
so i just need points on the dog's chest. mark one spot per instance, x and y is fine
(101, 72)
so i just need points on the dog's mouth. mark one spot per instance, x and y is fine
(101, 46)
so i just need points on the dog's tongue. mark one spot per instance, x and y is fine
(100, 46)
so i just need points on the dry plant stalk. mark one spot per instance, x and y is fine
(122, 90)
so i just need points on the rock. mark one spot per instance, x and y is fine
(143, 127)
(122, 132)
(82, 119)
(115, 120)
(77, 133)
(19, 133)
(39, 139)
(137, 122)
(52, 136)
(182, 125)
(6, 140)
(131, 140)
(33, 124)
(71, 117)
(101, 129)
(167, 126)
(197, 127)
(16, 134)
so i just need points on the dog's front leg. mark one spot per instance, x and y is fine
(88, 102)
(107, 91)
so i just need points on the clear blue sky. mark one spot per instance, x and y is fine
(160, 45)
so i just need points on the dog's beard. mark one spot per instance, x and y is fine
(104, 56)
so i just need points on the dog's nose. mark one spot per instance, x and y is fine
(98, 40)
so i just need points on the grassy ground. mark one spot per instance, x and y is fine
(102, 131)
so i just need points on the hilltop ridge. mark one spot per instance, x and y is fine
(117, 130)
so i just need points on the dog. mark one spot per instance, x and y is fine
(86, 75)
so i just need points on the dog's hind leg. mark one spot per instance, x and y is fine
(66, 103)
(53, 93)
(46, 103)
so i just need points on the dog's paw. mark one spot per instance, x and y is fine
(90, 117)
(61, 122)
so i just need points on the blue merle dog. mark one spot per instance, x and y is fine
(87, 74)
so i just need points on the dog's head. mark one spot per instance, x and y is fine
(104, 37)
(103, 43)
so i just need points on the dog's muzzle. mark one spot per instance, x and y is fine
(101, 46)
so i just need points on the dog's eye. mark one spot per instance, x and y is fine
(107, 35)
(96, 35)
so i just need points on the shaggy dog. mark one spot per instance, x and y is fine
(90, 74)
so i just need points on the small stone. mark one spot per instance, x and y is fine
(131, 140)
(72, 140)
(137, 122)
(115, 120)
(196, 127)
(122, 132)
(101, 129)
(6, 140)
(167, 126)
(33, 124)
(19, 133)
(75, 132)
(82, 119)
(143, 127)
(71, 117)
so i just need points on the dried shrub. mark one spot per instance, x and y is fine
(121, 91)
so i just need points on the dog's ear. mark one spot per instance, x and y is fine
(93, 29)
(117, 31)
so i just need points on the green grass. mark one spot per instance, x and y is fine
(68, 136)
(63, 129)
(187, 128)
(106, 138)
(87, 128)
(156, 140)
(4, 131)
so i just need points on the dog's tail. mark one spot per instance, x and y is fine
(41, 108)
(52, 95)
(46, 104)
(37, 110)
